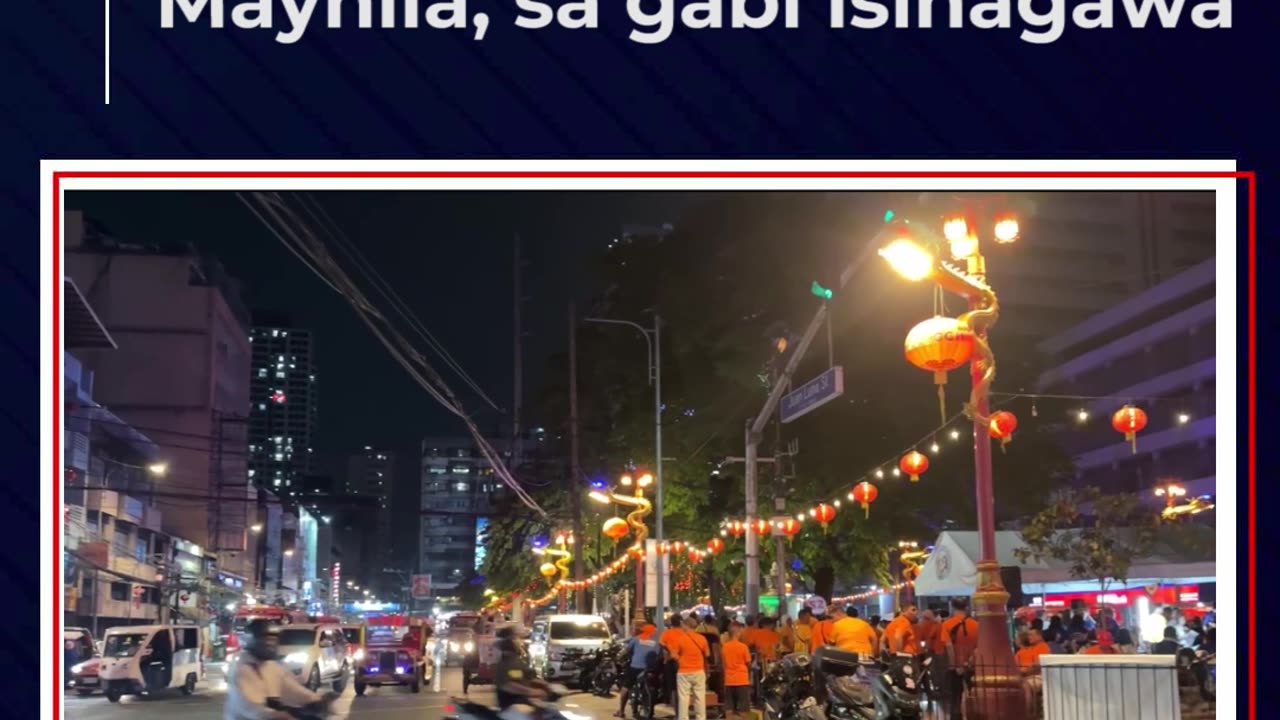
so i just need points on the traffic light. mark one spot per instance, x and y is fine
(819, 291)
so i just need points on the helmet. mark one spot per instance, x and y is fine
(508, 638)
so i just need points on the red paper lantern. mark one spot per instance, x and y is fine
(715, 546)
(635, 551)
(694, 555)
(1001, 426)
(913, 464)
(761, 526)
(677, 547)
(864, 493)
(615, 528)
(824, 514)
(736, 528)
(939, 345)
(789, 527)
(662, 548)
(1130, 420)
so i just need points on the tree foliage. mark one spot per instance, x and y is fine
(733, 276)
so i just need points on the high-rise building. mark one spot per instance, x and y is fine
(283, 405)
(371, 474)
(459, 490)
(1157, 351)
(181, 374)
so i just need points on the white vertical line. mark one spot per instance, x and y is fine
(106, 52)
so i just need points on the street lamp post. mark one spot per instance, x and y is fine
(653, 342)
(997, 691)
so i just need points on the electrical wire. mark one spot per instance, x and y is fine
(295, 233)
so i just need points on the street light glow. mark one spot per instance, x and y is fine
(645, 480)
(964, 248)
(1082, 416)
(908, 259)
(256, 527)
(1006, 230)
(599, 497)
(158, 468)
(955, 229)
(1183, 418)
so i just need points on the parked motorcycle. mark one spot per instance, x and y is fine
(788, 692)
(598, 671)
(869, 689)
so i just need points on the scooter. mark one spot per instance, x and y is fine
(608, 664)
(858, 689)
(788, 691)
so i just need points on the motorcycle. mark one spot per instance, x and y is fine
(609, 666)
(870, 689)
(788, 690)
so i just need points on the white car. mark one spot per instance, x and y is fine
(317, 654)
(560, 642)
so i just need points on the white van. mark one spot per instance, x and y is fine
(146, 659)
(559, 644)
(317, 654)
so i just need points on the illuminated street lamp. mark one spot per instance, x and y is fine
(997, 688)
(1170, 492)
(158, 468)
(635, 519)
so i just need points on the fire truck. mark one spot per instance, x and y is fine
(397, 651)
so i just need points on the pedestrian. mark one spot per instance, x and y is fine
(642, 649)
(900, 634)
(802, 631)
(960, 637)
(690, 652)
(928, 633)
(737, 675)
(851, 633)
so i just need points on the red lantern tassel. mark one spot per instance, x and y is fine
(1132, 437)
(866, 509)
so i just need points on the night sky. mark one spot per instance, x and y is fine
(449, 255)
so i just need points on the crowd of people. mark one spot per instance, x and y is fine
(741, 649)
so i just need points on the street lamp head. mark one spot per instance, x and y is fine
(645, 480)
(158, 468)
(599, 497)
(955, 228)
(255, 528)
(625, 481)
(1006, 229)
(964, 247)
(909, 259)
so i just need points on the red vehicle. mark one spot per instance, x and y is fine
(238, 636)
(397, 652)
(79, 651)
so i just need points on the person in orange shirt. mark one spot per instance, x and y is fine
(929, 634)
(851, 633)
(690, 651)
(669, 664)
(766, 640)
(737, 674)
(749, 631)
(1101, 643)
(1028, 656)
(900, 635)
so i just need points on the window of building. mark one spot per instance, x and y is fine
(119, 591)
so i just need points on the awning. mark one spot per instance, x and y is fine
(82, 330)
(951, 568)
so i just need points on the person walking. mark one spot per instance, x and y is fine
(690, 651)
(960, 638)
(737, 674)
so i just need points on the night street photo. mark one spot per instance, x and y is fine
(592, 454)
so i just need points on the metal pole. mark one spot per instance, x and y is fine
(575, 472)
(753, 542)
(661, 575)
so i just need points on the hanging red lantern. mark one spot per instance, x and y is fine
(736, 528)
(677, 547)
(694, 555)
(864, 493)
(1130, 420)
(761, 526)
(789, 527)
(715, 546)
(914, 464)
(615, 528)
(939, 345)
(824, 514)
(635, 551)
(1001, 426)
(662, 548)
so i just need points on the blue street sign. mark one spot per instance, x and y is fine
(814, 394)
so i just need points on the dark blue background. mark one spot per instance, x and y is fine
(811, 92)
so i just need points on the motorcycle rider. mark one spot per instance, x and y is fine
(514, 679)
(643, 652)
(260, 688)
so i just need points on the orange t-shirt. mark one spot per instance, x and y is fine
(820, 635)
(766, 643)
(647, 631)
(1099, 650)
(966, 636)
(690, 650)
(929, 633)
(1029, 657)
(667, 637)
(901, 630)
(737, 664)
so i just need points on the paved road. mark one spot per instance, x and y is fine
(390, 703)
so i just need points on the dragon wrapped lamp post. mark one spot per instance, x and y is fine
(997, 686)
(641, 507)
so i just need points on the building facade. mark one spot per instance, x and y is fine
(459, 491)
(1155, 350)
(180, 374)
(283, 405)
(371, 476)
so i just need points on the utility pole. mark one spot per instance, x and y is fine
(575, 473)
(779, 507)
(517, 347)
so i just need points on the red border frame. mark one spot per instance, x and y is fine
(1249, 176)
